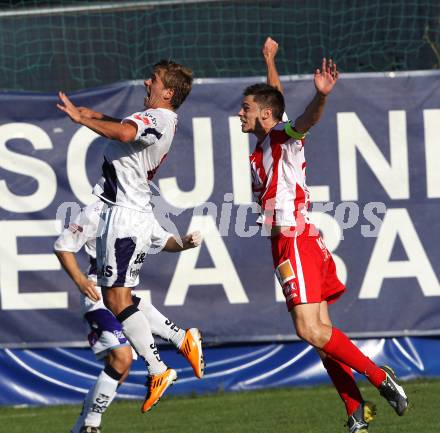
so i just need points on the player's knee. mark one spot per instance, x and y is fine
(121, 359)
(308, 332)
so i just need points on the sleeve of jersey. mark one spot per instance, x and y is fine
(159, 236)
(73, 238)
(148, 127)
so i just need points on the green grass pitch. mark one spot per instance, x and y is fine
(287, 410)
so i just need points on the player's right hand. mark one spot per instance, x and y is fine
(192, 240)
(88, 288)
(69, 108)
(270, 49)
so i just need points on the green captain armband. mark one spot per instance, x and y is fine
(292, 133)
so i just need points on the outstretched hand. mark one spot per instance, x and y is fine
(325, 79)
(270, 49)
(192, 240)
(69, 108)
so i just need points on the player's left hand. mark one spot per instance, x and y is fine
(192, 240)
(325, 79)
(270, 49)
(69, 108)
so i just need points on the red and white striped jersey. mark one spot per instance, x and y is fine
(278, 168)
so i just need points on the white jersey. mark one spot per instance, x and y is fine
(128, 167)
(82, 233)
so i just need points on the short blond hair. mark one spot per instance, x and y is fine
(177, 77)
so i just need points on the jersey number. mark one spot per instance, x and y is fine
(140, 258)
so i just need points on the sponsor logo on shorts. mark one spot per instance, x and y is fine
(285, 272)
(140, 258)
(106, 271)
(134, 272)
(324, 249)
(119, 334)
(290, 290)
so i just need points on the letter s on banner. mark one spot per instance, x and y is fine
(76, 164)
(28, 166)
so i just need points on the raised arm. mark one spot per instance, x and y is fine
(70, 265)
(103, 125)
(270, 49)
(324, 79)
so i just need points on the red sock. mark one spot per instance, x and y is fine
(343, 379)
(341, 348)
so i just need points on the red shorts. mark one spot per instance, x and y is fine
(305, 268)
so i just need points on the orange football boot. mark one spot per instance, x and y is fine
(191, 349)
(157, 386)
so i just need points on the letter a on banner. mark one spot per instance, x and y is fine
(397, 222)
(223, 272)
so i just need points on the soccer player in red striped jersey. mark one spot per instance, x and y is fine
(303, 265)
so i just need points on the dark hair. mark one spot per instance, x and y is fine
(176, 77)
(267, 97)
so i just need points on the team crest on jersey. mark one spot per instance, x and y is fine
(143, 119)
(146, 119)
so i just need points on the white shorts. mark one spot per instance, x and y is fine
(123, 243)
(105, 332)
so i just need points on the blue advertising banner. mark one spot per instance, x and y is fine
(64, 375)
(374, 174)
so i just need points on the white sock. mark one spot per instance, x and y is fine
(137, 330)
(161, 325)
(103, 394)
(80, 420)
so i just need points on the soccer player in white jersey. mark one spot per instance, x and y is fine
(303, 265)
(140, 143)
(106, 337)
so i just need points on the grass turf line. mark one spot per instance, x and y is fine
(287, 410)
